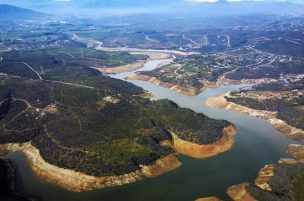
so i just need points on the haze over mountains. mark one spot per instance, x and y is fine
(9, 12)
(221, 7)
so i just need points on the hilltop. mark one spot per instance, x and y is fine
(9, 12)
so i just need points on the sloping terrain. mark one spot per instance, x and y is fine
(93, 124)
(9, 12)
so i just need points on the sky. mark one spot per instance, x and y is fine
(63, 1)
(294, 1)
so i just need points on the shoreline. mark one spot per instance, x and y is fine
(219, 101)
(99, 46)
(240, 192)
(120, 69)
(204, 151)
(208, 199)
(79, 182)
(91, 43)
(192, 91)
(10, 184)
(187, 91)
(133, 66)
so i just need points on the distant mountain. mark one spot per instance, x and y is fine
(127, 3)
(9, 12)
(222, 7)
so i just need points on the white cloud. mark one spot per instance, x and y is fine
(203, 1)
(212, 1)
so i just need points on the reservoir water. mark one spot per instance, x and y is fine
(256, 145)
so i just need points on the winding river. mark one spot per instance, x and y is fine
(257, 144)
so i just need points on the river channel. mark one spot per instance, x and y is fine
(256, 145)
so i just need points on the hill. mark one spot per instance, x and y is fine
(188, 7)
(9, 12)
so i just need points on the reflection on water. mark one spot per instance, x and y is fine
(257, 144)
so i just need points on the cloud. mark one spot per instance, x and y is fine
(211, 1)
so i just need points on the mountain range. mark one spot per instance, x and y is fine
(9, 12)
(221, 7)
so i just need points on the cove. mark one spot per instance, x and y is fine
(256, 145)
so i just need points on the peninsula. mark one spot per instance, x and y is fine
(82, 130)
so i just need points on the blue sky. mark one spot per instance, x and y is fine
(295, 1)
(33, 1)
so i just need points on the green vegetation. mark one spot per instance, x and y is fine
(59, 65)
(81, 120)
(121, 150)
(286, 185)
(268, 71)
(289, 103)
(191, 70)
(278, 46)
(261, 194)
(297, 193)
(73, 55)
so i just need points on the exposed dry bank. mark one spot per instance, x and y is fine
(282, 181)
(76, 181)
(208, 199)
(219, 101)
(132, 66)
(201, 85)
(203, 151)
(79, 182)
(120, 69)
(191, 91)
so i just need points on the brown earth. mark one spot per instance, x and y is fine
(120, 69)
(191, 91)
(209, 199)
(291, 132)
(239, 193)
(204, 151)
(79, 182)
